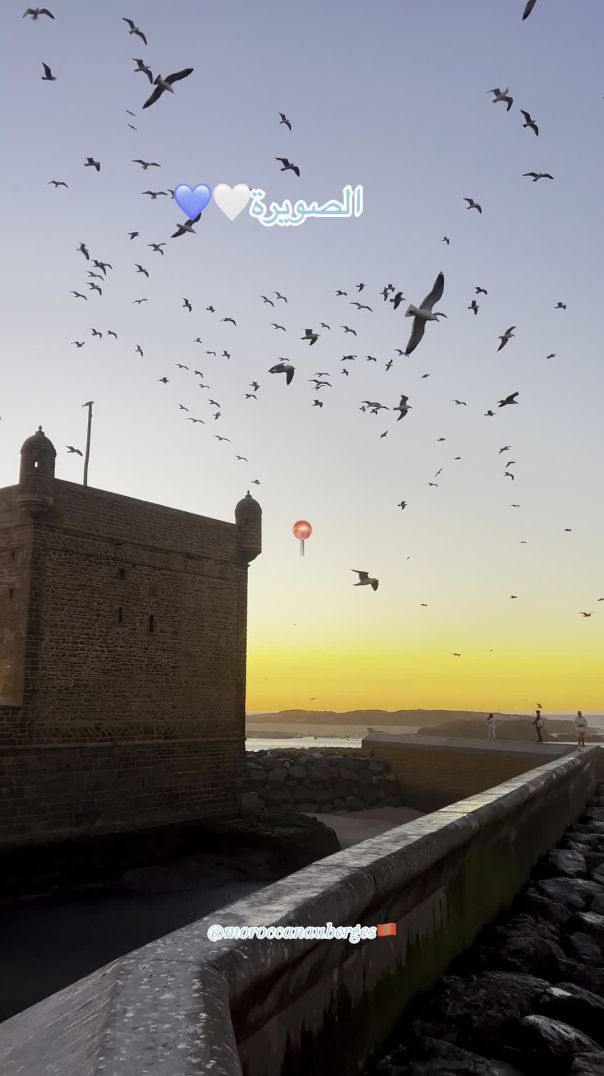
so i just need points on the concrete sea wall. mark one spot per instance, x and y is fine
(435, 770)
(184, 1005)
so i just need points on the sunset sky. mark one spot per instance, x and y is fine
(393, 97)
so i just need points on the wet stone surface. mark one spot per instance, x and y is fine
(528, 998)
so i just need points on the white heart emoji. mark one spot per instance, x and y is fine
(231, 200)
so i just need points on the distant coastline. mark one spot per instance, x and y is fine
(353, 725)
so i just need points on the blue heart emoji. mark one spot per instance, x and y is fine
(192, 201)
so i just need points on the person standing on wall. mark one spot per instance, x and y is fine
(581, 726)
(491, 724)
(538, 723)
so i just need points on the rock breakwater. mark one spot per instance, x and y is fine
(322, 780)
(528, 998)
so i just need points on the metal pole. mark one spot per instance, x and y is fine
(88, 404)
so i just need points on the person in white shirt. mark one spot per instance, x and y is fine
(491, 722)
(581, 726)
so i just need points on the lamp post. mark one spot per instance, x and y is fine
(302, 530)
(88, 404)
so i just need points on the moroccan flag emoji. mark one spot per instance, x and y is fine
(386, 930)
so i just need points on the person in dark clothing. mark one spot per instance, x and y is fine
(538, 723)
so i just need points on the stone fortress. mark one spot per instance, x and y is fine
(122, 658)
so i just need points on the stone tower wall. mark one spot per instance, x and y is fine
(125, 721)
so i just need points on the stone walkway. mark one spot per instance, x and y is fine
(528, 998)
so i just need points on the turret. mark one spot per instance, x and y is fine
(37, 472)
(248, 521)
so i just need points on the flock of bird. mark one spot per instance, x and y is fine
(422, 314)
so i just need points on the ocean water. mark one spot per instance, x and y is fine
(256, 743)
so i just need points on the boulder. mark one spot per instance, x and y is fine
(593, 826)
(597, 905)
(528, 951)
(574, 892)
(573, 1005)
(583, 948)
(539, 906)
(583, 840)
(584, 975)
(549, 1042)
(277, 776)
(588, 923)
(438, 1058)
(587, 1065)
(297, 772)
(565, 861)
(476, 1011)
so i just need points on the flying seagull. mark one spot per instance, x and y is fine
(70, 448)
(584, 614)
(287, 166)
(163, 85)
(91, 163)
(508, 334)
(529, 7)
(472, 204)
(538, 175)
(135, 30)
(502, 95)
(560, 306)
(402, 408)
(186, 228)
(146, 164)
(58, 183)
(508, 400)
(48, 75)
(365, 580)
(35, 12)
(474, 306)
(285, 120)
(529, 122)
(423, 313)
(283, 368)
(142, 66)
